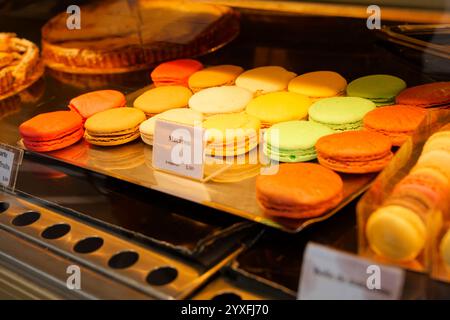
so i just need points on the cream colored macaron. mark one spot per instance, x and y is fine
(161, 99)
(396, 233)
(445, 249)
(182, 115)
(263, 80)
(218, 100)
(222, 75)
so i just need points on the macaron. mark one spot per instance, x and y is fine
(218, 100)
(181, 115)
(444, 249)
(421, 190)
(354, 151)
(341, 113)
(114, 126)
(397, 122)
(263, 80)
(216, 76)
(175, 72)
(52, 131)
(379, 88)
(435, 159)
(93, 102)
(293, 141)
(278, 107)
(161, 99)
(436, 94)
(437, 141)
(299, 191)
(231, 134)
(319, 84)
(396, 233)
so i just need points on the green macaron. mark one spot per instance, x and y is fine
(293, 141)
(379, 88)
(340, 113)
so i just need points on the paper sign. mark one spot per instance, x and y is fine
(10, 160)
(179, 149)
(328, 274)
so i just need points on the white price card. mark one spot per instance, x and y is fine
(329, 274)
(10, 160)
(179, 149)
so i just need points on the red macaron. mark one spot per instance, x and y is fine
(93, 102)
(436, 94)
(176, 72)
(52, 131)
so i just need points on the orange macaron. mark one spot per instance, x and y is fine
(397, 122)
(354, 151)
(299, 191)
(52, 131)
(175, 72)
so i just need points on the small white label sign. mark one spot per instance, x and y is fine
(6, 166)
(328, 274)
(179, 149)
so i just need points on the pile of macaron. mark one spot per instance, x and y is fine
(347, 127)
(400, 229)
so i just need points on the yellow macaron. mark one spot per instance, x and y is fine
(231, 134)
(396, 233)
(223, 75)
(278, 107)
(161, 99)
(319, 84)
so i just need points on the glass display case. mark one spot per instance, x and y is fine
(134, 232)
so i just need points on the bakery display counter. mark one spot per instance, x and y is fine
(151, 222)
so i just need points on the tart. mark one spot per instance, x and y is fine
(115, 37)
(19, 64)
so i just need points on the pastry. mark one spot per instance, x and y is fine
(341, 113)
(114, 126)
(379, 88)
(118, 36)
(20, 66)
(438, 160)
(293, 141)
(444, 249)
(161, 99)
(223, 75)
(396, 233)
(319, 84)
(299, 191)
(438, 141)
(397, 122)
(354, 151)
(93, 102)
(52, 131)
(278, 107)
(176, 72)
(231, 134)
(263, 80)
(436, 94)
(182, 115)
(217, 100)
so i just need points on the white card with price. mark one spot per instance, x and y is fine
(10, 160)
(179, 149)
